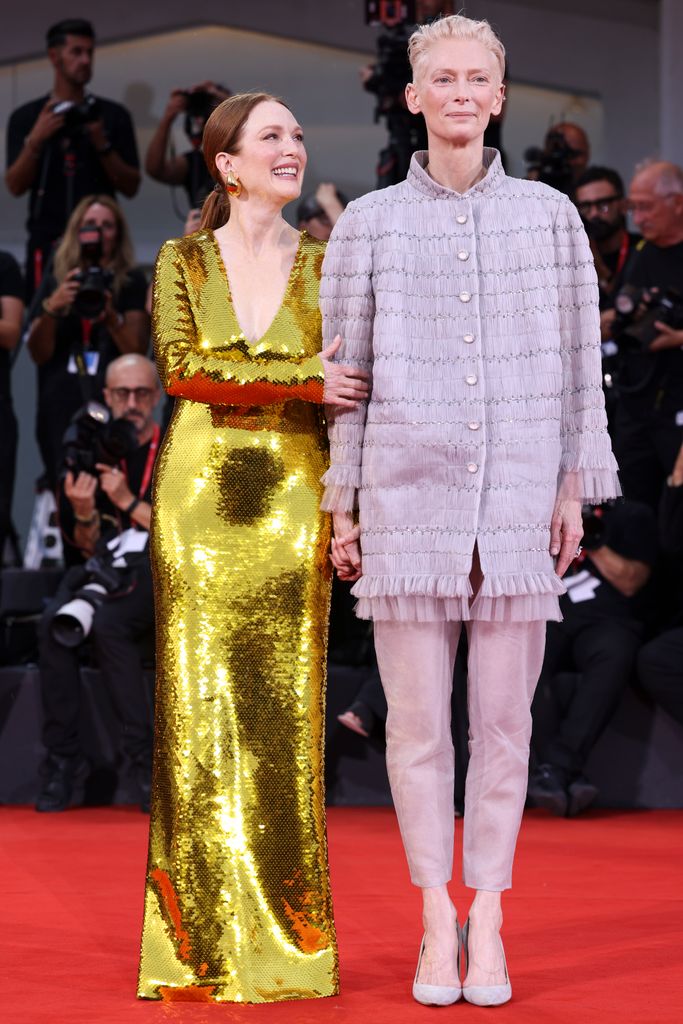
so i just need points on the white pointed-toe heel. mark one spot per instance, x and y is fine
(484, 995)
(436, 995)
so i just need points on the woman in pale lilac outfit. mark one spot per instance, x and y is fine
(473, 299)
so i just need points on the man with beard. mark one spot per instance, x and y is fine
(97, 512)
(67, 145)
(600, 200)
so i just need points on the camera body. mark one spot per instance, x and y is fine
(71, 625)
(199, 106)
(638, 309)
(94, 280)
(77, 115)
(94, 436)
(552, 164)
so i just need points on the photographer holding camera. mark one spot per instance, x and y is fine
(91, 310)
(105, 513)
(646, 324)
(590, 655)
(563, 159)
(187, 169)
(67, 145)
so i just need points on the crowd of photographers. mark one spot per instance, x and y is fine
(84, 307)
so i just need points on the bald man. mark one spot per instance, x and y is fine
(649, 420)
(96, 510)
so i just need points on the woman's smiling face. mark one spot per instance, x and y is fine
(457, 88)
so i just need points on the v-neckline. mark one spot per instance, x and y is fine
(285, 296)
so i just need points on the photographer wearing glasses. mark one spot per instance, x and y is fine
(600, 199)
(646, 324)
(67, 145)
(105, 514)
(86, 313)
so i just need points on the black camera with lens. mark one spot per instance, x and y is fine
(199, 105)
(94, 436)
(94, 280)
(552, 164)
(102, 581)
(77, 115)
(594, 527)
(639, 309)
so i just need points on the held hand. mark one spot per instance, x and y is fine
(346, 553)
(566, 531)
(81, 493)
(63, 296)
(114, 484)
(668, 337)
(344, 385)
(47, 124)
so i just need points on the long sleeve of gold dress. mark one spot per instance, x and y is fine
(237, 896)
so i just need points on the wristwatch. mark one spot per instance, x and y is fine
(133, 505)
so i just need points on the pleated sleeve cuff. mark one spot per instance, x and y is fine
(341, 487)
(590, 477)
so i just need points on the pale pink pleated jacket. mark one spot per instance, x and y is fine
(477, 314)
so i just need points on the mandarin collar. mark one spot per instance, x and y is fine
(420, 179)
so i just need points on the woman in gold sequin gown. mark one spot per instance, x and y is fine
(237, 898)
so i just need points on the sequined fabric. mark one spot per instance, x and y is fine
(237, 900)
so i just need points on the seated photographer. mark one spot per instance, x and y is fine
(11, 316)
(105, 501)
(647, 326)
(67, 145)
(319, 211)
(598, 640)
(601, 201)
(189, 168)
(88, 312)
(660, 662)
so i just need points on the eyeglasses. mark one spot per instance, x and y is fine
(123, 394)
(601, 205)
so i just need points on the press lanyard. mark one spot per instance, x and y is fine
(623, 253)
(149, 465)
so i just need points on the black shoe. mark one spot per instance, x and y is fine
(582, 793)
(59, 783)
(547, 788)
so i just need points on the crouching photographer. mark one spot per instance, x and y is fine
(590, 655)
(646, 325)
(105, 511)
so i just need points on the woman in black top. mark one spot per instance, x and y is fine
(73, 346)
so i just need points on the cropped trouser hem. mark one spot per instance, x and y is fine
(416, 662)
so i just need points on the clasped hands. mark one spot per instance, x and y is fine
(345, 386)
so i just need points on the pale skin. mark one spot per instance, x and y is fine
(257, 245)
(129, 332)
(458, 87)
(128, 372)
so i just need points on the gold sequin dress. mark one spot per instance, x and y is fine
(237, 898)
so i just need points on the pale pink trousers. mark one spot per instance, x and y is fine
(416, 661)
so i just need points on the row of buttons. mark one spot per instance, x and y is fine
(471, 379)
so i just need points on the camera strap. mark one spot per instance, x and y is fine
(149, 464)
(623, 253)
(80, 356)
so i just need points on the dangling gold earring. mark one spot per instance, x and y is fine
(233, 186)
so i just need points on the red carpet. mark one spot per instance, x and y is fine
(593, 926)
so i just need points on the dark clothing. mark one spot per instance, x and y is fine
(197, 182)
(649, 423)
(118, 627)
(660, 671)
(11, 286)
(69, 169)
(612, 261)
(671, 520)
(597, 642)
(61, 389)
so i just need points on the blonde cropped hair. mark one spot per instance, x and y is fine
(455, 26)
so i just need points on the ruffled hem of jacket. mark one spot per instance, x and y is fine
(341, 485)
(585, 477)
(502, 597)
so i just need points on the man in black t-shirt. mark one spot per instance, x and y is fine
(189, 168)
(67, 145)
(600, 199)
(590, 655)
(11, 314)
(648, 427)
(96, 513)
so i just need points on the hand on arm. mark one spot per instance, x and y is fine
(21, 175)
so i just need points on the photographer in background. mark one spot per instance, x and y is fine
(563, 159)
(319, 211)
(67, 145)
(11, 316)
(601, 201)
(98, 505)
(597, 642)
(89, 311)
(660, 662)
(647, 326)
(187, 169)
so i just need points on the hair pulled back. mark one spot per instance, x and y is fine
(222, 134)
